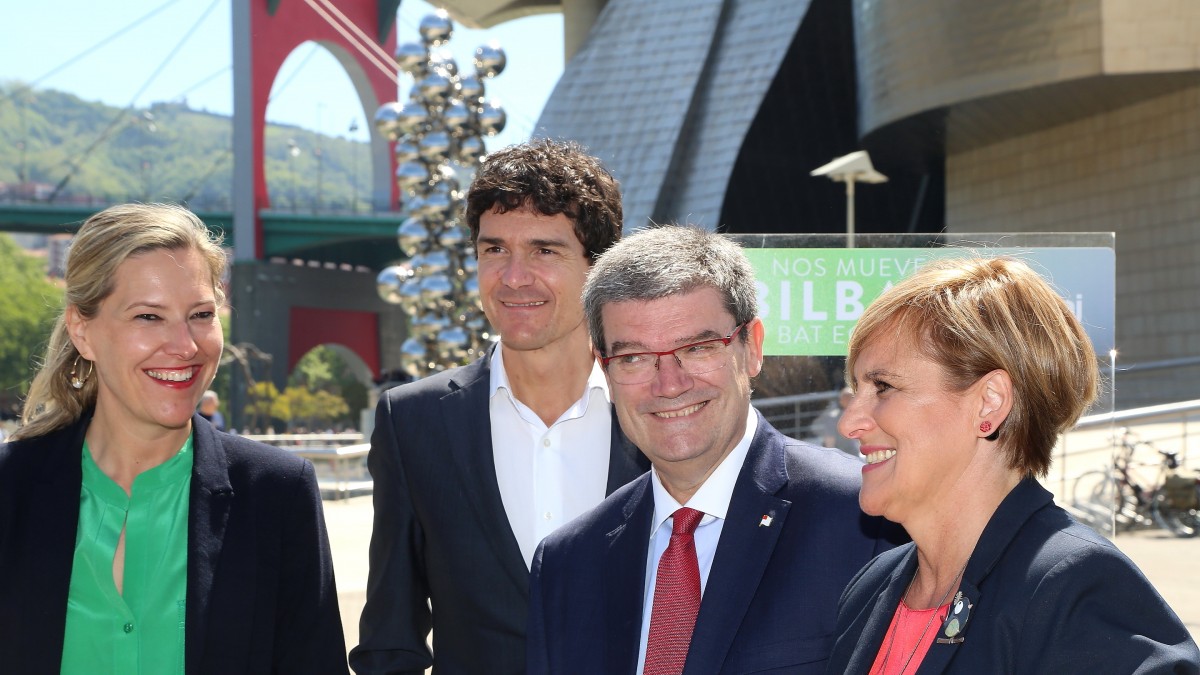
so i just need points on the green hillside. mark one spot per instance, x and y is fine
(167, 152)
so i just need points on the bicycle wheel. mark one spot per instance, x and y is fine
(1088, 489)
(1095, 503)
(1177, 521)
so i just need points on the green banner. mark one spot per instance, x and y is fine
(810, 298)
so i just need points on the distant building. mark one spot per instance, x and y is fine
(1021, 116)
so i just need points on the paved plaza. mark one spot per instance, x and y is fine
(1170, 563)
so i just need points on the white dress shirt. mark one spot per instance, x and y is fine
(548, 475)
(713, 500)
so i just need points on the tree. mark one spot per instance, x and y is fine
(309, 409)
(261, 408)
(28, 306)
(323, 370)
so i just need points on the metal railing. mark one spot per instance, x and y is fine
(308, 440)
(340, 460)
(793, 415)
(1093, 442)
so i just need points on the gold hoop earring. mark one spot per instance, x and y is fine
(76, 381)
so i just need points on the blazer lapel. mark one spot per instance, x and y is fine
(1021, 503)
(211, 498)
(47, 578)
(872, 631)
(624, 584)
(742, 553)
(466, 418)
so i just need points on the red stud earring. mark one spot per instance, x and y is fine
(985, 426)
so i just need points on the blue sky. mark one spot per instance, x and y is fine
(100, 51)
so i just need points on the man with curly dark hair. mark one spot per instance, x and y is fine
(475, 465)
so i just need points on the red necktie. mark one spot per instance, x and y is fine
(676, 598)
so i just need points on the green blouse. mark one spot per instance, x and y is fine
(141, 630)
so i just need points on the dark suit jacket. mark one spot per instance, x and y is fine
(771, 597)
(260, 589)
(1046, 595)
(442, 536)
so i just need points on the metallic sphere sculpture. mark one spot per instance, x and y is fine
(438, 134)
(436, 28)
(489, 60)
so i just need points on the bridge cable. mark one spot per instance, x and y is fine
(366, 39)
(116, 120)
(220, 159)
(88, 51)
(373, 59)
(206, 80)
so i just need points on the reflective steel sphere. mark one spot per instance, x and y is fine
(435, 88)
(445, 178)
(470, 88)
(470, 264)
(438, 205)
(405, 150)
(412, 236)
(412, 118)
(470, 287)
(427, 324)
(389, 282)
(433, 262)
(456, 117)
(413, 357)
(469, 150)
(453, 236)
(492, 118)
(435, 147)
(387, 120)
(436, 28)
(453, 339)
(443, 60)
(411, 175)
(489, 60)
(411, 57)
(436, 288)
(410, 296)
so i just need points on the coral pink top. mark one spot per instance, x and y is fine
(907, 639)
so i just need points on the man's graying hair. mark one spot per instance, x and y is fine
(669, 260)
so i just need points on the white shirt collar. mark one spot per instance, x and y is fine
(713, 496)
(498, 379)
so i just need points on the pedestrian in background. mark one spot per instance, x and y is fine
(210, 409)
(825, 427)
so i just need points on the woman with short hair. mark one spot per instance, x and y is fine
(964, 376)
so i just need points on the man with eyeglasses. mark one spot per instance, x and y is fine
(731, 554)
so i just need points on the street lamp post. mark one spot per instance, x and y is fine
(354, 166)
(317, 201)
(293, 153)
(849, 169)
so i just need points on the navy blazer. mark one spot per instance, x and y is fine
(260, 588)
(1044, 594)
(441, 534)
(771, 598)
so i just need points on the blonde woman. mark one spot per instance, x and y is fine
(134, 538)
